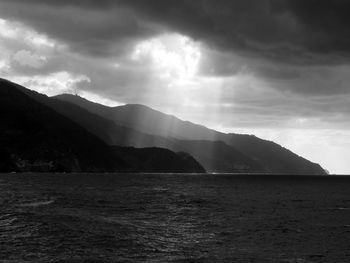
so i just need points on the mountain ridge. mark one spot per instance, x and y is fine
(105, 111)
(269, 156)
(35, 137)
(225, 159)
(116, 135)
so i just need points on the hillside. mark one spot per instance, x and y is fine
(259, 155)
(215, 156)
(145, 119)
(35, 137)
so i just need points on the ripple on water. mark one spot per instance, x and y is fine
(94, 218)
(37, 203)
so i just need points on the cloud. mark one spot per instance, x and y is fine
(26, 58)
(170, 69)
(325, 23)
(52, 84)
(278, 40)
(294, 31)
(279, 30)
(97, 32)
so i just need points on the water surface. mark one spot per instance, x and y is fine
(173, 218)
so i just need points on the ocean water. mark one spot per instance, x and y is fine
(174, 218)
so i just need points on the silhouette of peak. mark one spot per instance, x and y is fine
(144, 109)
(67, 95)
(136, 106)
(75, 98)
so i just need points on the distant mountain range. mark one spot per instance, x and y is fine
(107, 136)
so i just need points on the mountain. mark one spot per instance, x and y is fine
(158, 160)
(236, 152)
(271, 156)
(37, 137)
(107, 130)
(145, 119)
(225, 159)
(34, 136)
(215, 156)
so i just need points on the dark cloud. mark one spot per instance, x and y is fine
(325, 22)
(105, 31)
(294, 31)
(296, 45)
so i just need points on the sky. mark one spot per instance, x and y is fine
(278, 69)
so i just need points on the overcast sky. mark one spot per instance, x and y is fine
(279, 69)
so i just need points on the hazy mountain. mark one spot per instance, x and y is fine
(271, 156)
(105, 129)
(145, 119)
(35, 137)
(215, 156)
(259, 155)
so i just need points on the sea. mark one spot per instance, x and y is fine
(174, 218)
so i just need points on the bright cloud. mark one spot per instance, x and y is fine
(6, 30)
(27, 58)
(175, 57)
(53, 84)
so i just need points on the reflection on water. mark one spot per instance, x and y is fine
(38, 203)
(173, 218)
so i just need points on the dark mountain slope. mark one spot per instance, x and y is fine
(218, 156)
(268, 156)
(105, 129)
(34, 137)
(145, 119)
(213, 155)
(273, 157)
(158, 159)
